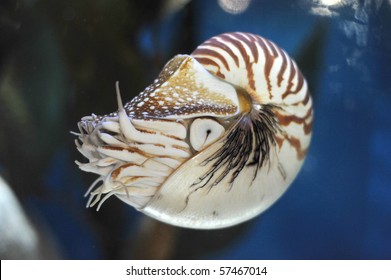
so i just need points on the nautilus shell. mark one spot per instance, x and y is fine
(215, 140)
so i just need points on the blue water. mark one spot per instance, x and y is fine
(339, 207)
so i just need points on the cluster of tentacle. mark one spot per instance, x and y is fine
(131, 157)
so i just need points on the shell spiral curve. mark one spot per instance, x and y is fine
(214, 141)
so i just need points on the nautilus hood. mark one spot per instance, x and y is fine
(214, 141)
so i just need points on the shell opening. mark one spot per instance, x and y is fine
(134, 151)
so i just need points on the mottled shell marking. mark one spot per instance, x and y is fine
(179, 91)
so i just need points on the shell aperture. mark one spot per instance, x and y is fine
(215, 140)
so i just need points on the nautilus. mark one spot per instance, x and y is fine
(214, 141)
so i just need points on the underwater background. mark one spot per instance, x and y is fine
(59, 61)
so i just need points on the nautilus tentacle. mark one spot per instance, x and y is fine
(214, 141)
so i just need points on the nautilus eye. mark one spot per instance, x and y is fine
(214, 141)
(204, 131)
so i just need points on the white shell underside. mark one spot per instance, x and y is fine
(181, 204)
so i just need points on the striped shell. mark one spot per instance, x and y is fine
(214, 141)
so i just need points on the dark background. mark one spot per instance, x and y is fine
(59, 61)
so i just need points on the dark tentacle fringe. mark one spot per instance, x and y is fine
(248, 144)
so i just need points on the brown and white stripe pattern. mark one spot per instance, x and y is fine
(269, 76)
